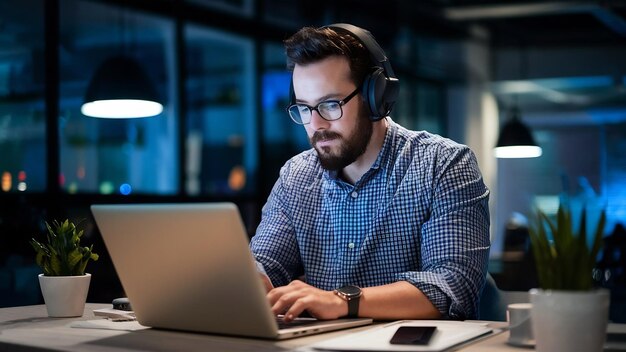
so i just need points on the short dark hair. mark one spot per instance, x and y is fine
(311, 44)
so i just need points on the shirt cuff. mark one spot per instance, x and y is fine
(437, 297)
(260, 268)
(434, 288)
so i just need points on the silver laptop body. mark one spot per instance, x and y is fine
(188, 267)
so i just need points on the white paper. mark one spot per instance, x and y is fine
(115, 314)
(448, 334)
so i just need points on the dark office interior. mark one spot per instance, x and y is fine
(219, 68)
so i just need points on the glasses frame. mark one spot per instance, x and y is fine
(341, 103)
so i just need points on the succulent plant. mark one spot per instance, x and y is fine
(563, 259)
(62, 255)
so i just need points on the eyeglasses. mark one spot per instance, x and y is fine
(329, 110)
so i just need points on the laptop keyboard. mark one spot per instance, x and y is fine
(282, 324)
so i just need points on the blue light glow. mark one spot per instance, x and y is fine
(126, 189)
(276, 89)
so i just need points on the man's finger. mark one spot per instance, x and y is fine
(297, 308)
(284, 302)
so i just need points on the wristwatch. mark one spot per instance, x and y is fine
(352, 295)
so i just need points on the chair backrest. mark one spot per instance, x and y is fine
(492, 305)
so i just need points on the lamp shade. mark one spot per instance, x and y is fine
(516, 141)
(120, 88)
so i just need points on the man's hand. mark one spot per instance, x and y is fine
(295, 298)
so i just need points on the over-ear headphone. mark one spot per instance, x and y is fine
(380, 87)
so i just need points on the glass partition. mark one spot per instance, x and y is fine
(22, 87)
(420, 106)
(221, 144)
(282, 138)
(115, 156)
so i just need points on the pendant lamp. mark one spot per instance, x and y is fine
(120, 88)
(515, 139)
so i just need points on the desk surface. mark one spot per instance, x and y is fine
(29, 328)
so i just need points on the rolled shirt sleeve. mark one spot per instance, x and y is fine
(455, 239)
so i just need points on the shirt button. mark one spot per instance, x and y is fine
(354, 194)
(350, 245)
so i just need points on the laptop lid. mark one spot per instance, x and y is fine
(189, 267)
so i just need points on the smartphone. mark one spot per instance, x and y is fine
(413, 335)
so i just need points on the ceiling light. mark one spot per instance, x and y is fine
(516, 140)
(120, 88)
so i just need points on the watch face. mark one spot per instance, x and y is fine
(350, 290)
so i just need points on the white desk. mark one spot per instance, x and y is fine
(30, 329)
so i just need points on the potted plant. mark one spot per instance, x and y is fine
(568, 313)
(64, 283)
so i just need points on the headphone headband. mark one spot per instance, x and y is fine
(367, 39)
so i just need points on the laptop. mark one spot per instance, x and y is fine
(189, 267)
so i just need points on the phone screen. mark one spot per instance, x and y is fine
(413, 335)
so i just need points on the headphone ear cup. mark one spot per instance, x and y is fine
(374, 87)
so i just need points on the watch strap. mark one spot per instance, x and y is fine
(352, 295)
(353, 307)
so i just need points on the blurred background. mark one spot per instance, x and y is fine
(466, 67)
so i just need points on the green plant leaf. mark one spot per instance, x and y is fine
(56, 266)
(562, 257)
(62, 255)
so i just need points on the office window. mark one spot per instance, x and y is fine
(282, 138)
(115, 156)
(420, 106)
(423, 65)
(22, 89)
(222, 154)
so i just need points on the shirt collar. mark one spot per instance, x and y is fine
(383, 155)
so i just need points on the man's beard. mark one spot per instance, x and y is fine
(349, 148)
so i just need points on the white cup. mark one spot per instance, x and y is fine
(518, 316)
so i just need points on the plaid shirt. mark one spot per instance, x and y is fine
(420, 214)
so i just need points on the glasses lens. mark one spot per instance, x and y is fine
(330, 110)
(299, 113)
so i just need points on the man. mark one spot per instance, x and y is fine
(376, 220)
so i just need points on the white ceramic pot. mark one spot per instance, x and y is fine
(65, 296)
(569, 320)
